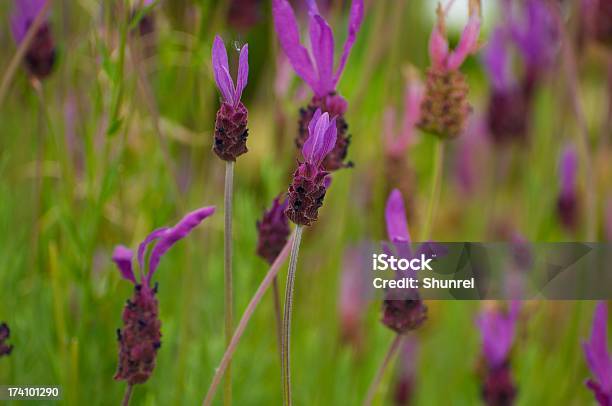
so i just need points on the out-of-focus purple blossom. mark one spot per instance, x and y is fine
(403, 310)
(5, 333)
(406, 373)
(498, 330)
(472, 148)
(40, 55)
(598, 358)
(352, 302)
(596, 20)
(445, 107)
(310, 180)
(399, 137)
(567, 201)
(231, 123)
(535, 32)
(273, 230)
(244, 14)
(140, 337)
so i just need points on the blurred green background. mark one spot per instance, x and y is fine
(104, 179)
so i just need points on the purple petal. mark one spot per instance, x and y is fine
(596, 350)
(122, 257)
(321, 141)
(175, 234)
(289, 38)
(322, 44)
(142, 247)
(221, 70)
(313, 121)
(355, 20)
(497, 332)
(395, 216)
(568, 166)
(495, 60)
(243, 72)
(467, 43)
(327, 181)
(438, 47)
(24, 13)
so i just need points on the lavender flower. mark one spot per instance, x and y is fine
(445, 107)
(146, 27)
(533, 32)
(273, 231)
(318, 70)
(140, 337)
(5, 333)
(472, 151)
(244, 14)
(567, 201)
(310, 180)
(40, 55)
(497, 330)
(598, 358)
(402, 311)
(231, 124)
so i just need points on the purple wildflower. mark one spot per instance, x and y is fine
(273, 230)
(231, 124)
(596, 20)
(472, 151)
(497, 330)
(445, 107)
(244, 14)
(567, 202)
(402, 311)
(140, 337)
(5, 333)
(598, 358)
(316, 68)
(310, 180)
(40, 55)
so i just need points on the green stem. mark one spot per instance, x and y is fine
(436, 186)
(286, 331)
(278, 316)
(381, 370)
(229, 191)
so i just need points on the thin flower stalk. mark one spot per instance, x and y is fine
(306, 193)
(246, 317)
(395, 345)
(229, 143)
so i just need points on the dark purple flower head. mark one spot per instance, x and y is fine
(231, 123)
(5, 333)
(273, 230)
(310, 180)
(140, 337)
(598, 358)
(497, 330)
(316, 68)
(40, 55)
(567, 201)
(596, 20)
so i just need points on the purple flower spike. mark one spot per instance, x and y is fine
(175, 234)
(322, 138)
(567, 202)
(140, 337)
(40, 55)
(231, 123)
(598, 358)
(122, 257)
(273, 231)
(395, 216)
(317, 71)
